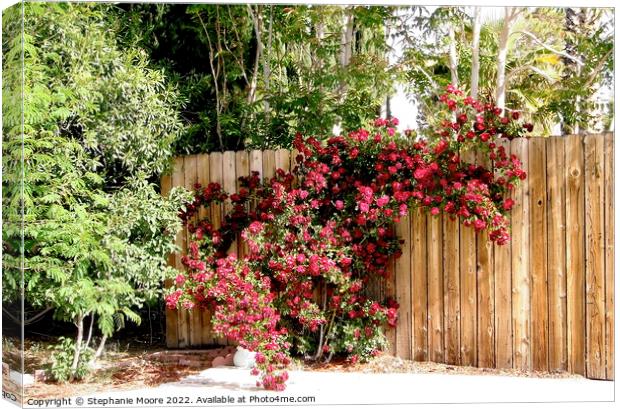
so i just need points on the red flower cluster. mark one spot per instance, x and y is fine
(317, 236)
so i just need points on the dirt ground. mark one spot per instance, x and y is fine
(134, 368)
(390, 364)
(118, 370)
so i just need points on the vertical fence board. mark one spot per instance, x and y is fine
(574, 177)
(242, 168)
(215, 173)
(485, 278)
(229, 184)
(451, 290)
(256, 165)
(178, 179)
(503, 298)
(402, 278)
(486, 297)
(193, 327)
(595, 267)
(294, 154)
(283, 159)
(556, 249)
(520, 265)
(469, 290)
(171, 315)
(435, 288)
(387, 289)
(203, 173)
(420, 285)
(269, 162)
(538, 254)
(609, 254)
(256, 162)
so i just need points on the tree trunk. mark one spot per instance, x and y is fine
(267, 63)
(101, 347)
(90, 329)
(346, 45)
(500, 96)
(79, 323)
(99, 351)
(475, 54)
(257, 21)
(216, 74)
(454, 75)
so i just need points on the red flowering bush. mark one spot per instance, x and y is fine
(316, 236)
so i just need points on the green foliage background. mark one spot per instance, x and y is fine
(78, 177)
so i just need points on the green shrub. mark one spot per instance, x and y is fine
(62, 357)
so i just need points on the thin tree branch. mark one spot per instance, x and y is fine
(548, 47)
(29, 320)
(598, 68)
(257, 23)
(239, 60)
(218, 127)
(90, 329)
(475, 52)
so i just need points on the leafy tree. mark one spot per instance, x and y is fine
(526, 60)
(588, 37)
(98, 124)
(254, 75)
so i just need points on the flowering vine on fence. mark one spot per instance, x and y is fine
(315, 237)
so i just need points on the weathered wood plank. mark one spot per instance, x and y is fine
(556, 251)
(171, 315)
(193, 327)
(520, 264)
(215, 174)
(269, 164)
(283, 159)
(387, 289)
(256, 165)
(538, 254)
(503, 298)
(402, 276)
(294, 155)
(256, 162)
(242, 168)
(609, 254)
(486, 291)
(486, 300)
(419, 281)
(203, 166)
(451, 291)
(229, 175)
(595, 266)
(178, 179)
(435, 289)
(575, 253)
(468, 287)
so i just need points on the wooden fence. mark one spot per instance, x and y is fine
(544, 302)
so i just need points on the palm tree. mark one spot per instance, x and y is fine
(518, 58)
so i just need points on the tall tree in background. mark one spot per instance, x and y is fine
(254, 75)
(475, 54)
(588, 62)
(510, 16)
(518, 60)
(98, 128)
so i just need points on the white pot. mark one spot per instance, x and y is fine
(244, 358)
